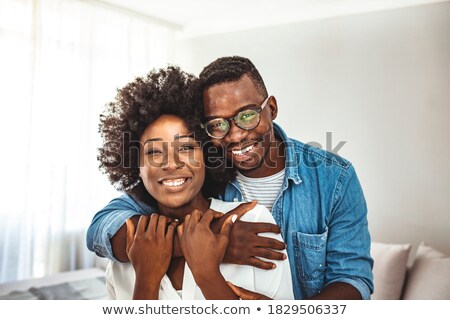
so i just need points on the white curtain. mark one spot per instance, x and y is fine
(61, 61)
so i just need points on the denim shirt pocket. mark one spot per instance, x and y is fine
(310, 259)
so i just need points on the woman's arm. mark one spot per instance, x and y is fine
(204, 251)
(149, 248)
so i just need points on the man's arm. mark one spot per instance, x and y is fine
(348, 272)
(107, 222)
(107, 235)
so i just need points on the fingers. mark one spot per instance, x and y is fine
(207, 217)
(240, 292)
(151, 228)
(226, 227)
(171, 229)
(243, 208)
(269, 254)
(245, 294)
(260, 264)
(180, 229)
(260, 227)
(269, 243)
(196, 215)
(142, 224)
(161, 227)
(217, 215)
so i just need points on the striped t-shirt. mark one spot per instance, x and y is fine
(265, 189)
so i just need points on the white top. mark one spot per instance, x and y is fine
(265, 189)
(276, 283)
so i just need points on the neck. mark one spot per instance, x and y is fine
(199, 202)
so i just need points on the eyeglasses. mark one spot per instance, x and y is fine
(247, 119)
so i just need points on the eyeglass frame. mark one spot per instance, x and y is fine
(258, 110)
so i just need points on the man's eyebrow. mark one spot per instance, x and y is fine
(251, 105)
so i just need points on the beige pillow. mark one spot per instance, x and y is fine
(389, 269)
(429, 276)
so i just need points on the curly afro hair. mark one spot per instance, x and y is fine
(230, 69)
(139, 103)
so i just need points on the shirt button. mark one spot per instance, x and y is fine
(235, 199)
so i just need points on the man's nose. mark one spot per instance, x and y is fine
(236, 134)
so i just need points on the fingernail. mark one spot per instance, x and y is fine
(284, 256)
(233, 218)
(274, 266)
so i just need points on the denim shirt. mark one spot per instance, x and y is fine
(321, 211)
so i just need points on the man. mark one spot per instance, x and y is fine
(314, 196)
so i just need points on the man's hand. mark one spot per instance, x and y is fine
(245, 294)
(245, 245)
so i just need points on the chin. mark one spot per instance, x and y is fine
(247, 167)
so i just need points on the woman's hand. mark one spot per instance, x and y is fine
(204, 251)
(202, 248)
(149, 248)
(245, 294)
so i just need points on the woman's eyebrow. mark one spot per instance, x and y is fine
(153, 139)
(178, 137)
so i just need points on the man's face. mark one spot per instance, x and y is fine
(249, 150)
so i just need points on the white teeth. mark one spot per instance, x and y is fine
(174, 183)
(243, 151)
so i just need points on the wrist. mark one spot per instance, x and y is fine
(206, 276)
(148, 280)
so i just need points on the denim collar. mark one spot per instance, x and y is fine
(292, 167)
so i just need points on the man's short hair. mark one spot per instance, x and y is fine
(231, 69)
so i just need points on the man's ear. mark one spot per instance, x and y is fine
(272, 104)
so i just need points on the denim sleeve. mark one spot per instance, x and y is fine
(348, 247)
(107, 222)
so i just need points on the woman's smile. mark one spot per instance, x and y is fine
(175, 184)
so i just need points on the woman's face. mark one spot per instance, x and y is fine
(171, 162)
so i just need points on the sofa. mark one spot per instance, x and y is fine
(402, 273)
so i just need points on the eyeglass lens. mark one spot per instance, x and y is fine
(246, 119)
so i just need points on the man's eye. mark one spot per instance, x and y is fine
(247, 116)
(217, 125)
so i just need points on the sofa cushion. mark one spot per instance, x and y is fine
(429, 276)
(389, 269)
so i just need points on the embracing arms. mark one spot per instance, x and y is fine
(107, 235)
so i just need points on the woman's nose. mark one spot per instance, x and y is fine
(172, 161)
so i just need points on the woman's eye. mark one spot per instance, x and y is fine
(186, 147)
(152, 152)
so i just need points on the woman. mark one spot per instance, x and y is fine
(154, 150)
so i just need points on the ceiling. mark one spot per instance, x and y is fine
(200, 17)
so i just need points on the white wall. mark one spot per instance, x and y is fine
(381, 82)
